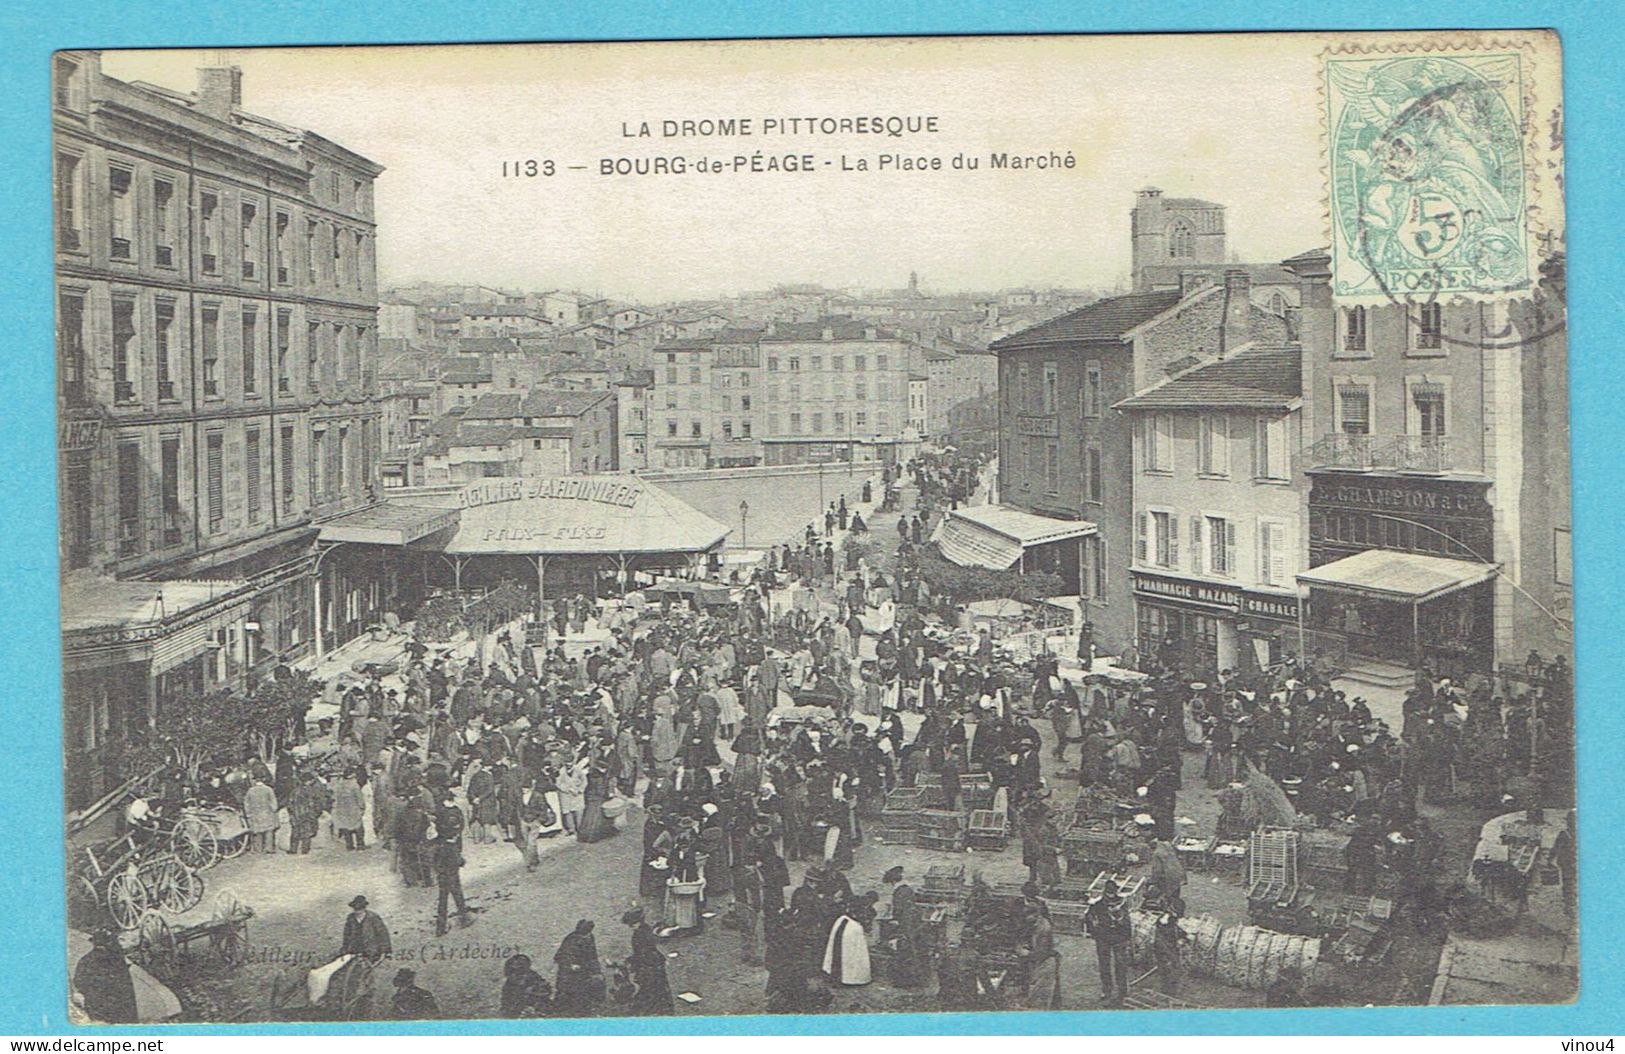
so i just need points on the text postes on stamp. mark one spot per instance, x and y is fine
(1428, 174)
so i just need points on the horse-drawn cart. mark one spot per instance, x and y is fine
(159, 869)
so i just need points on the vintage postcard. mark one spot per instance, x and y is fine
(802, 526)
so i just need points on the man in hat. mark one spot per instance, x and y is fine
(365, 933)
(448, 876)
(1107, 922)
(412, 1003)
(102, 979)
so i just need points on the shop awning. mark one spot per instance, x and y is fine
(165, 622)
(1390, 575)
(995, 536)
(389, 524)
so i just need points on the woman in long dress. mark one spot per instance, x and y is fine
(594, 826)
(846, 952)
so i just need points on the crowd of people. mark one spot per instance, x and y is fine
(758, 733)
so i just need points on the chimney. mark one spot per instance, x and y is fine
(219, 90)
(1191, 282)
(1238, 318)
(1149, 193)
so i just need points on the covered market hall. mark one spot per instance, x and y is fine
(575, 534)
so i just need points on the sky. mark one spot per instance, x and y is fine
(1232, 119)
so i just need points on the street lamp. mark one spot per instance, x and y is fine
(744, 512)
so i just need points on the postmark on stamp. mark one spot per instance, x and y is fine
(1430, 179)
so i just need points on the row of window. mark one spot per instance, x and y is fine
(140, 333)
(151, 517)
(840, 423)
(817, 388)
(1038, 391)
(837, 363)
(1426, 405)
(1266, 440)
(1424, 330)
(1040, 465)
(145, 224)
(697, 401)
(1210, 546)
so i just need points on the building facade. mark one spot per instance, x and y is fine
(217, 354)
(1216, 512)
(1426, 426)
(1065, 452)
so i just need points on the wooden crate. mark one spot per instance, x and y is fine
(941, 830)
(1067, 916)
(987, 830)
(1130, 887)
(1195, 853)
(1229, 858)
(942, 884)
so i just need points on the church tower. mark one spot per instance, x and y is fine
(1173, 233)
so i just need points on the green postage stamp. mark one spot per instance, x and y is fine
(1431, 172)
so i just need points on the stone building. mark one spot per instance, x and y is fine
(217, 391)
(1437, 505)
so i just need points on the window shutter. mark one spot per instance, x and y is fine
(1230, 547)
(1219, 445)
(1196, 544)
(1260, 448)
(1173, 541)
(1264, 552)
(1141, 552)
(1277, 566)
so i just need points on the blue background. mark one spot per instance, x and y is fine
(32, 969)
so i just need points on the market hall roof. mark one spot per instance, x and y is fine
(551, 516)
(1391, 575)
(995, 536)
(1103, 320)
(1253, 379)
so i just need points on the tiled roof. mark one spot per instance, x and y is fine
(484, 435)
(466, 376)
(494, 406)
(1255, 379)
(473, 345)
(684, 344)
(1103, 320)
(637, 379)
(553, 402)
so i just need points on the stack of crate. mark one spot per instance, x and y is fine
(943, 885)
(941, 830)
(1323, 858)
(899, 819)
(1094, 847)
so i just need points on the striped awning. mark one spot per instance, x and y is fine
(995, 536)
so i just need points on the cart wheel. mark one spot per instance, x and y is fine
(233, 943)
(233, 847)
(158, 945)
(194, 842)
(175, 887)
(126, 899)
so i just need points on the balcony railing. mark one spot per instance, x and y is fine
(1362, 453)
(1341, 450)
(1419, 454)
